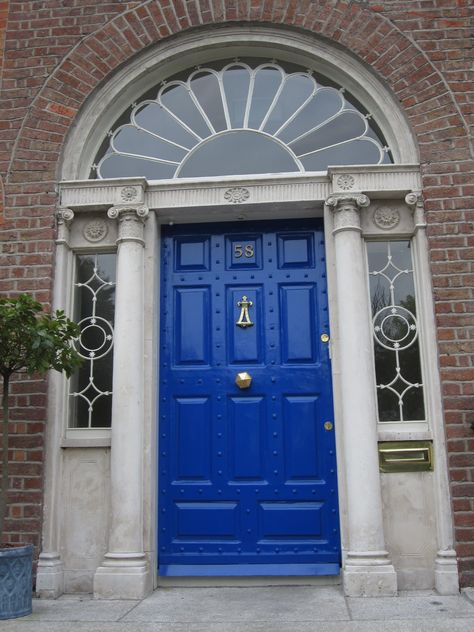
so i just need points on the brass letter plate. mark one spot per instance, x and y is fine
(406, 456)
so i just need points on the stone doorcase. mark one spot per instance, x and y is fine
(100, 526)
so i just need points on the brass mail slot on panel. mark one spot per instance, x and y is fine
(405, 456)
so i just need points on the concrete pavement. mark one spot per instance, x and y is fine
(254, 609)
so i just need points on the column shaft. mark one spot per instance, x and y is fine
(368, 569)
(124, 573)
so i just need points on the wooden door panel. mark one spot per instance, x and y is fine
(247, 478)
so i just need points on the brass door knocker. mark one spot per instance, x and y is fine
(244, 318)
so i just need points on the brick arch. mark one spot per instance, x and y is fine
(372, 38)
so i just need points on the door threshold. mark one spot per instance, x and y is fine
(247, 582)
(248, 574)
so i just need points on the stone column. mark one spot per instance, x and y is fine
(50, 576)
(446, 567)
(368, 571)
(125, 573)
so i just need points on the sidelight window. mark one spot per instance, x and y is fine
(396, 332)
(94, 305)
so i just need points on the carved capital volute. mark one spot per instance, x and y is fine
(131, 221)
(64, 217)
(346, 210)
(415, 201)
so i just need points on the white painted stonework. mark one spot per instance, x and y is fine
(100, 519)
(125, 572)
(85, 519)
(368, 568)
(110, 546)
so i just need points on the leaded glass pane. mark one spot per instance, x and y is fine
(129, 139)
(205, 88)
(91, 386)
(312, 122)
(115, 165)
(157, 120)
(353, 152)
(295, 92)
(315, 113)
(347, 125)
(177, 98)
(243, 150)
(396, 343)
(266, 83)
(236, 83)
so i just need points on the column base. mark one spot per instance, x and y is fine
(446, 573)
(369, 574)
(50, 576)
(123, 576)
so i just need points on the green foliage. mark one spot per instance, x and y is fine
(33, 341)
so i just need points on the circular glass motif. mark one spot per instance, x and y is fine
(96, 338)
(395, 328)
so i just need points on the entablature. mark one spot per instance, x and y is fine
(256, 197)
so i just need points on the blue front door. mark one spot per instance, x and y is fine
(247, 476)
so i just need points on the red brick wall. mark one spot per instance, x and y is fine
(57, 52)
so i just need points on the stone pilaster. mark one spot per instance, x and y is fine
(446, 566)
(368, 570)
(50, 575)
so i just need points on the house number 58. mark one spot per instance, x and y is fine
(243, 251)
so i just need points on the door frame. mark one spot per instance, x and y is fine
(229, 199)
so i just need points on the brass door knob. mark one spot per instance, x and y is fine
(243, 380)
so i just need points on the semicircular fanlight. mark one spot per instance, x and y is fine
(241, 119)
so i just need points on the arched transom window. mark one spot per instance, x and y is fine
(237, 118)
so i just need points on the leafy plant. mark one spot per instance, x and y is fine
(31, 341)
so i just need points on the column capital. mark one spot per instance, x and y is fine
(415, 201)
(131, 221)
(346, 209)
(64, 217)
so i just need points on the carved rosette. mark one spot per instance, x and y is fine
(415, 201)
(131, 222)
(345, 181)
(95, 230)
(346, 209)
(64, 217)
(129, 193)
(237, 195)
(386, 218)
